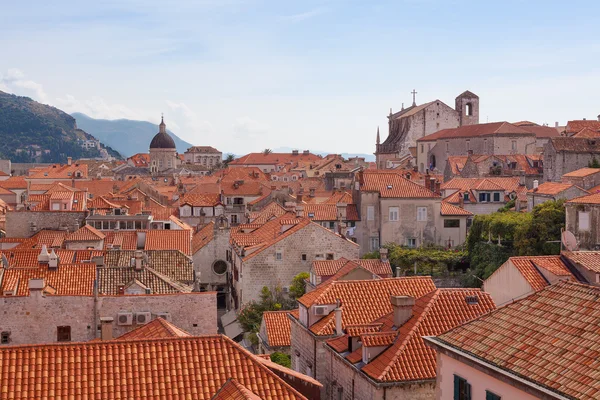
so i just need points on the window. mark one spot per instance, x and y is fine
(370, 213)
(514, 145)
(462, 389)
(468, 145)
(411, 242)
(309, 370)
(491, 396)
(393, 213)
(422, 214)
(451, 223)
(234, 219)
(329, 256)
(55, 206)
(496, 196)
(63, 334)
(278, 256)
(422, 148)
(297, 363)
(447, 146)
(484, 197)
(331, 225)
(584, 221)
(469, 109)
(220, 267)
(374, 242)
(340, 393)
(303, 257)
(466, 196)
(5, 337)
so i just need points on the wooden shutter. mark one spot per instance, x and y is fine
(457, 387)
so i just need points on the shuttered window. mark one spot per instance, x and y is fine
(462, 389)
(491, 396)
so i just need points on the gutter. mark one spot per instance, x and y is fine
(438, 343)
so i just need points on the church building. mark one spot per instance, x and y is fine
(417, 121)
(163, 153)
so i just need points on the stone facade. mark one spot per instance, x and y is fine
(313, 241)
(36, 318)
(588, 239)
(19, 223)
(163, 159)
(563, 155)
(408, 125)
(534, 199)
(203, 155)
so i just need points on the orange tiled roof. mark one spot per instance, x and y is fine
(551, 188)
(378, 338)
(140, 160)
(241, 173)
(393, 184)
(22, 257)
(203, 237)
(124, 240)
(489, 129)
(589, 199)
(168, 240)
(278, 329)
(273, 158)
(529, 267)
(578, 125)
(582, 172)
(551, 338)
(84, 234)
(14, 182)
(329, 212)
(328, 267)
(450, 209)
(200, 200)
(67, 279)
(157, 329)
(589, 260)
(332, 267)
(171, 368)
(60, 171)
(268, 212)
(233, 390)
(363, 301)
(587, 133)
(506, 184)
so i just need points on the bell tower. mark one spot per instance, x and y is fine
(467, 105)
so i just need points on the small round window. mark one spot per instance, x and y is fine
(220, 267)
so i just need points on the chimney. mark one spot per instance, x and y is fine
(312, 192)
(338, 318)
(432, 184)
(299, 211)
(461, 200)
(121, 289)
(403, 309)
(139, 260)
(53, 260)
(299, 198)
(44, 256)
(383, 254)
(536, 183)
(106, 328)
(438, 187)
(598, 117)
(69, 160)
(306, 152)
(294, 152)
(556, 123)
(36, 287)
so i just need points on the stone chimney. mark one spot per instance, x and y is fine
(69, 160)
(139, 260)
(44, 256)
(53, 260)
(338, 318)
(598, 117)
(106, 328)
(299, 211)
(383, 254)
(36, 287)
(306, 152)
(438, 187)
(403, 309)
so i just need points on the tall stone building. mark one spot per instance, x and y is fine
(163, 153)
(416, 121)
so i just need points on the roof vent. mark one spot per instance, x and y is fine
(389, 187)
(472, 300)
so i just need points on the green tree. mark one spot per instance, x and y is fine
(298, 286)
(485, 259)
(267, 151)
(594, 163)
(542, 235)
(227, 160)
(281, 359)
(250, 316)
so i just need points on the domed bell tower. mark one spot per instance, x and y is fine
(467, 105)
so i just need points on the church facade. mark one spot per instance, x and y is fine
(163, 152)
(410, 124)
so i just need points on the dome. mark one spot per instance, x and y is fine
(162, 140)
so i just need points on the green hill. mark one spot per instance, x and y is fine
(34, 132)
(126, 136)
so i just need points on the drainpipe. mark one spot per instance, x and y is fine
(315, 360)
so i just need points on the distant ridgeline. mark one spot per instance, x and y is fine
(34, 132)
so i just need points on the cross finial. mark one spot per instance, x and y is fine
(414, 93)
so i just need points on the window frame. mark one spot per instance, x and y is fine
(420, 212)
(452, 226)
(489, 395)
(496, 194)
(463, 393)
(63, 333)
(395, 213)
(370, 213)
(587, 223)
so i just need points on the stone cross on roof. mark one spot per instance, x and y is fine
(414, 93)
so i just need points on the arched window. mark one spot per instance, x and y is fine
(469, 109)
(432, 162)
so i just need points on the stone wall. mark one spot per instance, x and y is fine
(35, 318)
(307, 351)
(18, 222)
(556, 164)
(264, 269)
(588, 240)
(206, 257)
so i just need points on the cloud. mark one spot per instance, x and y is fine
(187, 122)
(248, 128)
(97, 107)
(303, 16)
(14, 81)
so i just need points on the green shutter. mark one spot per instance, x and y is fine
(467, 391)
(457, 387)
(491, 396)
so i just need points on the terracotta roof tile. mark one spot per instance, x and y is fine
(578, 125)
(529, 267)
(203, 237)
(277, 324)
(589, 260)
(273, 158)
(329, 212)
(171, 368)
(489, 129)
(169, 239)
(582, 172)
(393, 185)
(576, 145)
(200, 200)
(270, 211)
(67, 279)
(551, 188)
(156, 329)
(589, 199)
(233, 390)
(84, 234)
(172, 264)
(450, 209)
(378, 338)
(551, 338)
(587, 133)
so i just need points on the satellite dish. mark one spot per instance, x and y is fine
(569, 240)
(512, 195)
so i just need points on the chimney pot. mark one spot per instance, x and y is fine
(53, 260)
(403, 309)
(338, 319)
(37, 284)
(44, 256)
(106, 329)
(69, 160)
(383, 254)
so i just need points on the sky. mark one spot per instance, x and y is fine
(245, 75)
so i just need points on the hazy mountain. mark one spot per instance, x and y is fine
(126, 136)
(35, 132)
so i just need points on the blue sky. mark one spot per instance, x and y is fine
(244, 75)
